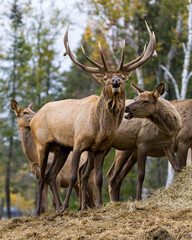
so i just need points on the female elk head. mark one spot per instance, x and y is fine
(145, 104)
(113, 80)
(24, 115)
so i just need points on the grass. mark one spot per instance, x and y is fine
(166, 215)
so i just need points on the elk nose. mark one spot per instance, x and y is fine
(116, 80)
(127, 109)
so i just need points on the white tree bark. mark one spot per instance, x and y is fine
(189, 157)
(139, 75)
(185, 76)
(168, 74)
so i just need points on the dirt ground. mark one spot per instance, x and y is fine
(166, 215)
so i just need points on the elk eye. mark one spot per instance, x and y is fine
(145, 101)
(105, 78)
(25, 112)
(123, 77)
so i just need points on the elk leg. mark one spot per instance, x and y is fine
(78, 192)
(182, 154)
(58, 162)
(126, 169)
(40, 189)
(74, 166)
(81, 170)
(44, 199)
(98, 163)
(120, 159)
(58, 184)
(172, 159)
(141, 159)
(84, 176)
(91, 189)
(42, 156)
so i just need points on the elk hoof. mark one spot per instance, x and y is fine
(38, 213)
(84, 208)
(98, 206)
(63, 208)
(179, 170)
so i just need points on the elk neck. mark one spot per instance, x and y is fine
(28, 144)
(166, 117)
(110, 110)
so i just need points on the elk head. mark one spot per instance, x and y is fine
(113, 80)
(145, 104)
(24, 115)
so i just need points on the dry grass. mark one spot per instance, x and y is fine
(166, 215)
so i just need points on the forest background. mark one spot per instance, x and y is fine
(33, 69)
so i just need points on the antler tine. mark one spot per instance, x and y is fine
(90, 60)
(124, 67)
(149, 51)
(146, 54)
(82, 66)
(122, 57)
(155, 52)
(102, 57)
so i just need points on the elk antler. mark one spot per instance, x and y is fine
(147, 53)
(99, 69)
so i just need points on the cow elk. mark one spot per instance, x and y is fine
(138, 138)
(24, 117)
(183, 140)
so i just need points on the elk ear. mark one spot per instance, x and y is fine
(138, 89)
(128, 75)
(160, 89)
(98, 77)
(15, 106)
(30, 106)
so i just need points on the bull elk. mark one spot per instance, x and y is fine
(24, 117)
(140, 138)
(87, 124)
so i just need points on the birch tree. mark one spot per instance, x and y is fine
(185, 75)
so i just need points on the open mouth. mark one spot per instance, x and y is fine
(116, 88)
(128, 116)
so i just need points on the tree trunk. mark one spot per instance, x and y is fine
(7, 178)
(189, 158)
(139, 75)
(170, 175)
(171, 55)
(187, 54)
(1, 208)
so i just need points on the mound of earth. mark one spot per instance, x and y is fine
(166, 215)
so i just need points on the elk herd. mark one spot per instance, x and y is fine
(66, 141)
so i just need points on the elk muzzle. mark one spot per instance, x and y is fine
(116, 84)
(130, 114)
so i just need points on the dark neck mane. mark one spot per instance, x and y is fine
(166, 117)
(110, 112)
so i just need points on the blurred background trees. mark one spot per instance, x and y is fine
(32, 69)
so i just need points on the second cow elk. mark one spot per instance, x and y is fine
(123, 163)
(87, 124)
(140, 137)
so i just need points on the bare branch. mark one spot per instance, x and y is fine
(190, 74)
(184, 48)
(173, 81)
